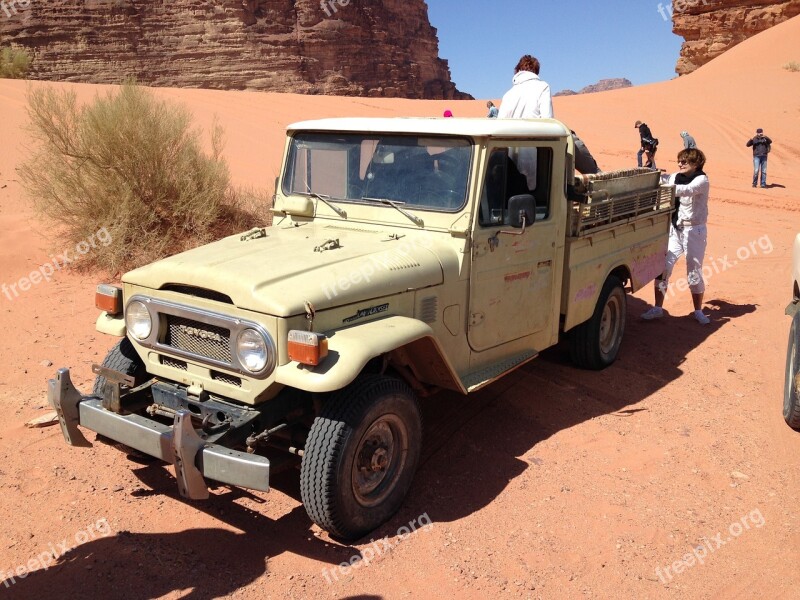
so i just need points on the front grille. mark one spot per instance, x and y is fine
(225, 378)
(175, 364)
(209, 341)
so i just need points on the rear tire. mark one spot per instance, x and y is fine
(595, 343)
(361, 455)
(791, 388)
(122, 358)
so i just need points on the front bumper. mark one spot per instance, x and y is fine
(194, 459)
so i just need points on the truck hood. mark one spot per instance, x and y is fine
(322, 264)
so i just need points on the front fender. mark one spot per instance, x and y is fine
(350, 349)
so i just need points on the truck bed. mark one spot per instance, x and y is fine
(620, 222)
(612, 199)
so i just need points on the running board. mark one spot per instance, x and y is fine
(483, 377)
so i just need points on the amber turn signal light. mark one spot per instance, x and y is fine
(306, 347)
(108, 298)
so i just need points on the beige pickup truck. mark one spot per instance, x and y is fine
(791, 388)
(408, 256)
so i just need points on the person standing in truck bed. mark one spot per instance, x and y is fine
(529, 96)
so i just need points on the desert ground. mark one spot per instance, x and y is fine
(670, 474)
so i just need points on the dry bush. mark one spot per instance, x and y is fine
(247, 207)
(792, 66)
(14, 63)
(134, 165)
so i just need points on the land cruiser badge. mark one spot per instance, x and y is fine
(366, 312)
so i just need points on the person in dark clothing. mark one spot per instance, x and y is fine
(648, 145)
(761, 145)
(584, 161)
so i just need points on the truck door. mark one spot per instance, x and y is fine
(512, 278)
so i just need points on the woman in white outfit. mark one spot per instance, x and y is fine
(687, 234)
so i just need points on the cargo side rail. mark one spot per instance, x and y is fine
(595, 213)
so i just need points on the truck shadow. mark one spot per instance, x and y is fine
(212, 563)
(202, 563)
(474, 445)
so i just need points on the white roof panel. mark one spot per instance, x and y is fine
(477, 127)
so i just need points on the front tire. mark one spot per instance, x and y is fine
(791, 388)
(595, 343)
(361, 455)
(124, 359)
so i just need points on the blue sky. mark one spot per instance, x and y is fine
(578, 42)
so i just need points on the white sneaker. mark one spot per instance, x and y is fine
(701, 318)
(656, 312)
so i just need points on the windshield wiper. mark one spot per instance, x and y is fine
(414, 218)
(325, 198)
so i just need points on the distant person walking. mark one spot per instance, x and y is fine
(493, 112)
(648, 145)
(761, 145)
(529, 96)
(687, 234)
(688, 141)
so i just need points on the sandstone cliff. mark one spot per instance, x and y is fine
(384, 48)
(601, 86)
(710, 27)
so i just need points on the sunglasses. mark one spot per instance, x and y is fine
(684, 162)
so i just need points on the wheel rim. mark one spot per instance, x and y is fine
(610, 323)
(379, 460)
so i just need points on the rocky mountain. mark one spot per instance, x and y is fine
(384, 48)
(710, 27)
(601, 86)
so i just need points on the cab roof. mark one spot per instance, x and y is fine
(477, 127)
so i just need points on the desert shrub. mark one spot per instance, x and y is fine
(792, 66)
(14, 63)
(245, 208)
(134, 165)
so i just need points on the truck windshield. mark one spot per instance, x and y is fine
(429, 173)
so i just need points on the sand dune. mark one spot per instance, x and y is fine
(721, 104)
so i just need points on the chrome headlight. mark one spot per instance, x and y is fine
(138, 320)
(253, 350)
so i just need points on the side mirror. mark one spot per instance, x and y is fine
(521, 211)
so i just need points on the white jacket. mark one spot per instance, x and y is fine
(693, 199)
(529, 98)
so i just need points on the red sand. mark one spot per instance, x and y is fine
(553, 482)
